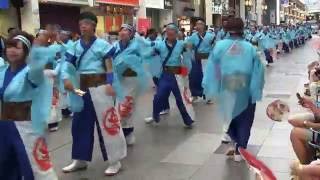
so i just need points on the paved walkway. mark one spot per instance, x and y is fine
(171, 152)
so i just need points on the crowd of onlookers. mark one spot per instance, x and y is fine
(304, 136)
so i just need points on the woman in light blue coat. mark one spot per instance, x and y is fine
(25, 102)
(235, 78)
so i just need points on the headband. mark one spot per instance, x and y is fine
(172, 27)
(127, 26)
(24, 40)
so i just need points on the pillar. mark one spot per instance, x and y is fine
(30, 17)
(208, 12)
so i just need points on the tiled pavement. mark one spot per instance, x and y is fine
(170, 152)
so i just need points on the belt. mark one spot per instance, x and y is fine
(16, 111)
(172, 69)
(92, 80)
(200, 56)
(49, 66)
(129, 73)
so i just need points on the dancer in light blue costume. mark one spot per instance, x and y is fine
(130, 77)
(88, 67)
(266, 44)
(235, 77)
(173, 76)
(25, 102)
(286, 39)
(60, 99)
(253, 36)
(202, 43)
(153, 62)
(154, 65)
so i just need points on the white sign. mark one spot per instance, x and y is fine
(313, 5)
(216, 9)
(91, 3)
(157, 4)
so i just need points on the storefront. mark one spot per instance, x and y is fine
(69, 11)
(184, 12)
(153, 8)
(112, 13)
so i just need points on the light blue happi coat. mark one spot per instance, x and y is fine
(234, 76)
(181, 56)
(2, 62)
(84, 58)
(60, 52)
(206, 44)
(266, 41)
(129, 57)
(30, 84)
(152, 58)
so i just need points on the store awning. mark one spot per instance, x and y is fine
(4, 4)
(120, 2)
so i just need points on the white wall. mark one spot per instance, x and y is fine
(30, 17)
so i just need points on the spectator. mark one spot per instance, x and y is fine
(300, 134)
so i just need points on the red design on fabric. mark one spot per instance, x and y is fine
(186, 96)
(41, 154)
(125, 109)
(184, 71)
(111, 123)
(235, 50)
(55, 97)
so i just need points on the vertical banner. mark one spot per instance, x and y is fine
(108, 24)
(100, 29)
(273, 16)
(4, 4)
(144, 24)
(113, 23)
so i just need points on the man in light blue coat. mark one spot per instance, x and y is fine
(202, 42)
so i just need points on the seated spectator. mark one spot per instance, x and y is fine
(301, 133)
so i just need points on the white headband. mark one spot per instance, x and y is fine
(24, 40)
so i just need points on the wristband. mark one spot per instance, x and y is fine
(109, 78)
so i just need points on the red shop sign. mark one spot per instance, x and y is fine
(120, 2)
(144, 24)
